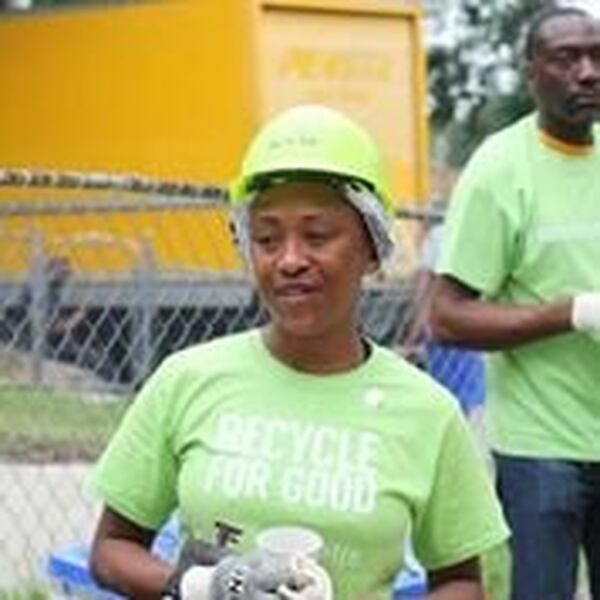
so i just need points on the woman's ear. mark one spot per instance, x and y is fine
(371, 257)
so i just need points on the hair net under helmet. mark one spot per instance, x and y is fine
(312, 142)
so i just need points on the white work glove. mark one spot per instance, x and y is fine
(585, 312)
(255, 576)
(315, 583)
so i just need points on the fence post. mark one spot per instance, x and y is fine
(143, 353)
(38, 307)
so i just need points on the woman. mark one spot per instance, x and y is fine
(303, 422)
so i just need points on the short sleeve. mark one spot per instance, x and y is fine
(136, 475)
(462, 517)
(480, 231)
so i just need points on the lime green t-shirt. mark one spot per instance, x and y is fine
(227, 433)
(524, 228)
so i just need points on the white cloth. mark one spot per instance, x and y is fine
(585, 314)
(195, 583)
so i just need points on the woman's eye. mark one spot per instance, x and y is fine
(318, 237)
(264, 240)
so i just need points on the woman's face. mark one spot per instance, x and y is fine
(309, 250)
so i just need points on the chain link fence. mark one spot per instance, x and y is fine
(98, 282)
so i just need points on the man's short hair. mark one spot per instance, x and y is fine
(540, 19)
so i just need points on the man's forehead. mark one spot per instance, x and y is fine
(569, 30)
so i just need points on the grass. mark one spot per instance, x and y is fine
(26, 593)
(46, 426)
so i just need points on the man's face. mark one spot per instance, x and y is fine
(564, 75)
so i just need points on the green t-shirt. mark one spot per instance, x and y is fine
(524, 228)
(227, 433)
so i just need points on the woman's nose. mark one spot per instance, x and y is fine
(293, 255)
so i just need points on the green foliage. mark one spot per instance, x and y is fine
(495, 112)
(475, 84)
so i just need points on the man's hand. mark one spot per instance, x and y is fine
(585, 312)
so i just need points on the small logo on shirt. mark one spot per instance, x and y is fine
(373, 398)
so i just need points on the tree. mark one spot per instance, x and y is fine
(474, 63)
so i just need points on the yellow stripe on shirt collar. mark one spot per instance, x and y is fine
(565, 147)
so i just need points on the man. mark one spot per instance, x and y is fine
(520, 275)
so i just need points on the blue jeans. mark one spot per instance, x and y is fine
(553, 509)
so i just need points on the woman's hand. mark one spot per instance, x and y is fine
(255, 576)
(312, 582)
